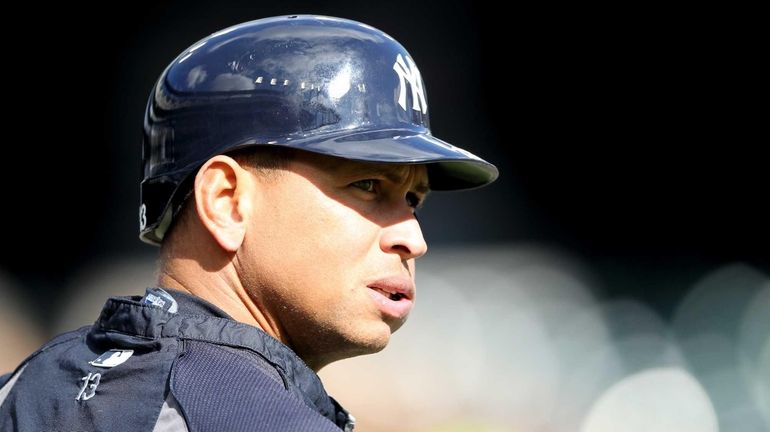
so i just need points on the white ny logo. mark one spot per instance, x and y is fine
(410, 73)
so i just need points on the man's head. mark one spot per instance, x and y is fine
(325, 85)
(324, 246)
(289, 154)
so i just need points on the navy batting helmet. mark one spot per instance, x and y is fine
(321, 84)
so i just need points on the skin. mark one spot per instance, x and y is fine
(293, 252)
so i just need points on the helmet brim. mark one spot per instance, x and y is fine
(449, 167)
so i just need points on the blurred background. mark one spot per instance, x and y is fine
(615, 277)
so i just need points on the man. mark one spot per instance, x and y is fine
(283, 160)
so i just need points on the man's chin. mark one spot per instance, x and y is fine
(370, 339)
(374, 340)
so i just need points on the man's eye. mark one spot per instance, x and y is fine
(369, 185)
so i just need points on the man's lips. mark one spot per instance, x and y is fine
(395, 288)
(393, 296)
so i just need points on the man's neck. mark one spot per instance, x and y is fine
(220, 289)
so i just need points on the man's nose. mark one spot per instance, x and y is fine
(404, 238)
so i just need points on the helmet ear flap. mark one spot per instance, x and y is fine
(162, 202)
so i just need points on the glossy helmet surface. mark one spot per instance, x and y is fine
(320, 84)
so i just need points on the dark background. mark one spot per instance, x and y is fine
(633, 139)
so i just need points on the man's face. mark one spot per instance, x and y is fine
(329, 256)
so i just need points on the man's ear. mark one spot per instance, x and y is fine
(223, 193)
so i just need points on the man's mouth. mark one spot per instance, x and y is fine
(395, 296)
(394, 288)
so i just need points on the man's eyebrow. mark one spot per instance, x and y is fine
(390, 173)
